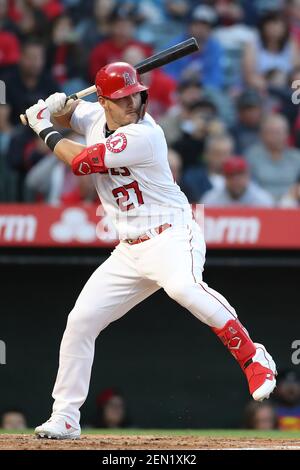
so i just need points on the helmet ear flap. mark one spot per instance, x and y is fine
(144, 97)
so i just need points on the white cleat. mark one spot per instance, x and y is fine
(57, 428)
(261, 373)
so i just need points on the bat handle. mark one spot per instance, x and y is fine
(73, 97)
(23, 117)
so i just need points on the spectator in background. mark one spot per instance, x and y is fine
(23, 152)
(291, 200)
(287, 395)
(274, 49)
(260, 415)
(50, 181)
(121, 36)
(188, 93)
(13, 420)
(293, 10)
(198, 180)
(32, 22)
(28, 83)
(111, 410)
(203, 122)
(175, 163)
(78, 9)
(233, 35)
(161, 20)
(280, 100)
(238, 189)
(273, 165)
(255, 9)
(246, 130)
(153, 22)
(94, 29)
(205, 65)
(65, 57)
(5, 128)
(277, 83)
(229, 11)
(177, 9)
(161, 86)
(50, 8)
(7, 178)
(9, 43)
(6, 22)
(288, 108)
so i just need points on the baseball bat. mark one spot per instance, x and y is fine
(157, 60)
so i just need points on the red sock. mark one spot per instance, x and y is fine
(235, 337)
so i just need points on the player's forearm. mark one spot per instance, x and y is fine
(62, 121)
(38, 117)
(66, 150)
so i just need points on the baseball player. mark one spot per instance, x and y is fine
(161, 245)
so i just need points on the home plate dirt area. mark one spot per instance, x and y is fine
(148, 442)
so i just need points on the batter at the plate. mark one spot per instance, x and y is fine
(161, 246)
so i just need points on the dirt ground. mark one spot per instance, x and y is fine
(145, 442)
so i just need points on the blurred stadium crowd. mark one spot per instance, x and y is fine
(282, 412)
(227, 111)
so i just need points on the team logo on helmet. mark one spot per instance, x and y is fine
(128, 79)
(116, 143)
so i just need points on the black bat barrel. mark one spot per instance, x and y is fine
(168, 55)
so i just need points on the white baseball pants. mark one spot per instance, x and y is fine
(173, 261)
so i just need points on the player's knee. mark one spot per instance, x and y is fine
(83, 320)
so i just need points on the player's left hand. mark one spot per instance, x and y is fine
(38, 116)
(58, 104)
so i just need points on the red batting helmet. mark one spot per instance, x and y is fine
(117, 80)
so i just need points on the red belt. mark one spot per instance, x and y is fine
(145, 237)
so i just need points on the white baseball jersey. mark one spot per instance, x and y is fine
(138, 192)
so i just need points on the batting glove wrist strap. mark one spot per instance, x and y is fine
(50, 137)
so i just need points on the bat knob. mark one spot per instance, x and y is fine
(23, 119)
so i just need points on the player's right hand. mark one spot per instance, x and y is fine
(38, 117)
(57, 105)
